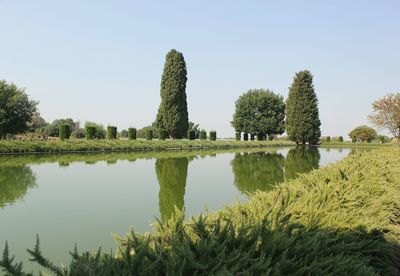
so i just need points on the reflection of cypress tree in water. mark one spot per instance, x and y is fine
(301, 160)
(257, 171)
(14, 183)
(171, 175)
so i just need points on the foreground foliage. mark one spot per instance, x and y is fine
(340, 220)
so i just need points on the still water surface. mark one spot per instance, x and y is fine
(83, 199)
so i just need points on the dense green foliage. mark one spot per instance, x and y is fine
(141, 133)
(132, 133)
(261, 112)
(340, 139)
(213, 135)
(245, 136)
(149, 134)
(203, 135)
(112, 132)
(15, 146)
(363, 134)
(171, 176)
(90, 132)
(162, 134)
(64, 132)
(54, 128)
(97, 131)
(339, 220)
(238, 136)
(302, 116)
(16, 109)
(172, 113)
(191, 134)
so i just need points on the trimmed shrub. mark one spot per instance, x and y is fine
(203, 135)
(328, 139)
(91, 132)
(162, 134)
(78, 133)
(245, 137)
(191, 134)
(252, 137)
(340, 139)
(112, 132)
(238, 136)
(260, 136)
(213, 135)
(149, 134)
(132, 133)
(64, 132)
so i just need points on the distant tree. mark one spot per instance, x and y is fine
(53, 128)
(173, 114)
(386, 114)
(16, 109)
(100, 132)
(78, 133)
(196, 128)
(302, 116)
(141, 133)
(363, 133)
(37, 123)
(259, 112)
(124, 133)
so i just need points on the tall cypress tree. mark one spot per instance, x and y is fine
(172, 114)
(302, 116)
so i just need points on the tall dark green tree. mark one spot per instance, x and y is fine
(16, 109)
(302, 116)
(259, 112)
(173, 114)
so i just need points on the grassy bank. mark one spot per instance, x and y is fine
(19, 147)
(356, 145)
(343, 219)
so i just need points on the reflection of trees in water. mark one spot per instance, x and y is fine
(257, 171)
(301, 160)
(171, 175)
(14, 183)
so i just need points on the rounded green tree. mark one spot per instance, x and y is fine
(173, 114)
(302, 116)
(259, 112)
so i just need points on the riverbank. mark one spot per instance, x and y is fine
(339, 220)
(69, 146)
(355, 145)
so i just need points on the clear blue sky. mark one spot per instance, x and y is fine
(102, 60)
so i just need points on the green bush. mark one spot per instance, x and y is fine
(260, 136)
(213, 135)
(191, 134)
(149, 134)
(78, 133)
(64, 132)
(238, 136)
(245, 137)
(340, 139)
(252, 136)
(112, 132)
(203, 135)
(91, 132)
(132, 133)
(328, 139)
(162, 134)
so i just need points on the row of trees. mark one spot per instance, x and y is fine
(262, 113)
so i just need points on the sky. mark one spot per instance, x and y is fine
(102, 61)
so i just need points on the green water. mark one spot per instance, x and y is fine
(83, 199)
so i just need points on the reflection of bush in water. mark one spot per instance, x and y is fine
(301, 160)
(257, 171)
(14, 183)
(171, 175)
